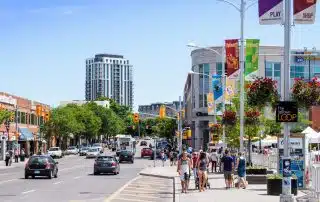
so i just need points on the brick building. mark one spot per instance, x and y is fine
(24, 127)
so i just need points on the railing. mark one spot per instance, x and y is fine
(165, 177)
(265, 160)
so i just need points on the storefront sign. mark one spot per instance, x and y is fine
(8, 100)
(295, 143)
(287, 112)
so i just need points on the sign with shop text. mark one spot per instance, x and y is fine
(304, 11)
(287, 112)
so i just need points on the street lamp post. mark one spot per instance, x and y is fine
(241, 9)
(223, 81)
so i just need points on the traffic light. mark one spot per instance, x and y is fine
(47, 116)
(136, 118)
(162, 111)
(39, 110)
(183, 114)
(178, 116)
(12, 117)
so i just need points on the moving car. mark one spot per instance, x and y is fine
(106, 164)
(146, 152)
(41, 165)
(72, 150)
(55, 152)
(126, 156)
(143, 143)
(83, 151)
(92, 153)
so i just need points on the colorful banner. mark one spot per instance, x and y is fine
(252, 59)
(217, 86)
(270, 12)
(232, 57)
(230, 89)
(210, 104)
(304, 11)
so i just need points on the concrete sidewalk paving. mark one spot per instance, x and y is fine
(217, 191)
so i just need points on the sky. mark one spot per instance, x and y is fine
(44, 44)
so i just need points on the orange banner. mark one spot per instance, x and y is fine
(232, 57)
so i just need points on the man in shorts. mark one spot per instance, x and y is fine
(228, 167)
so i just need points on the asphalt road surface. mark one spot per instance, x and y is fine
(75, 182)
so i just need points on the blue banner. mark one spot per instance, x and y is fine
(217, 86)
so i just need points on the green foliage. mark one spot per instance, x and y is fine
(4, 115)
(165, 128)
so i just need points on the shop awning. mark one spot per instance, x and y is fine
(25, 134)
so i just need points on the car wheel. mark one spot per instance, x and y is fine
(95, 173)
(115, 173)
(26, 176)
(33, 176)
(132, 161)
(50, 174)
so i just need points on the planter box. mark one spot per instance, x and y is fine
(258, 171)
(256, 179)
(274, 187)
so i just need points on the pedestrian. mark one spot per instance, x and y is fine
(195, 158)
(7, 159)
(228, 167)
(213, 159)
(171, 158)
(22, 154)
(11, 156)
(241, 168)
(16, 155)
(163, 157)
(202, 165)
(183, 168)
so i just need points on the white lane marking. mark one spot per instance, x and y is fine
(115, 194)
(30, 191)
(127, 199)
(145, 195)
(2, 182)
(77, 177)
(58, 182)
(63, 169)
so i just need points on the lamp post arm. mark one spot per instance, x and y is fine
(250, 5)
(237, 7)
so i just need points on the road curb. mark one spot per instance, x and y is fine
(115, 194)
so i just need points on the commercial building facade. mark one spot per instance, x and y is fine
(207, 62)
(109, 76)
(22, 131)
(152, 110)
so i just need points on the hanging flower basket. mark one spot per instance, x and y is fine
(229, 117)
(305, 93)
(216, 128)
(252, 117)
(261, 92)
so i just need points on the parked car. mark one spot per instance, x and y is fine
(72, 150)
(146, 152)
(41, 165)
(106, 164)
(92, 153)
(55, 152)
(143, 143)
(126, 156)
(83, 151)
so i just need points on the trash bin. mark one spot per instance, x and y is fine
(22, 158)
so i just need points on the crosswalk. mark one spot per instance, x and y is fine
(146, 189)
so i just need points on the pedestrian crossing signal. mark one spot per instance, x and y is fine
(136, 118)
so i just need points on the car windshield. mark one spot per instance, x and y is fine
(71, 148)
(93, 150)
(54, 149)
(146, 149)
(84, 148)
(96, 145)
(105, 158)
(125, 152)
(38, 160)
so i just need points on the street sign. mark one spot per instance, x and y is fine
(287, 111)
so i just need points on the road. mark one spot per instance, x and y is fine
(75, 182)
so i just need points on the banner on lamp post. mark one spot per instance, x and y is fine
(217, 87)
(230, 89)
(270, 12)
(232, 57)
(252, 59)
(304, 11)
(210, 104)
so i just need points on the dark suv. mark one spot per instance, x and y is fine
(126, 156)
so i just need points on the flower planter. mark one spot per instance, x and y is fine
(229, 118)
(256, 171)
(274, 187)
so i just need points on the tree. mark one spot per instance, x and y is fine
(114, 125)
(166, 128)
(4, 115)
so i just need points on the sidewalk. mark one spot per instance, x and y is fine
(13, 165)
(217, 192)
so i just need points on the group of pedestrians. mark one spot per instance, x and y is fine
(13, 154)
(231, 164)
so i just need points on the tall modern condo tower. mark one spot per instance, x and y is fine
(109, 76)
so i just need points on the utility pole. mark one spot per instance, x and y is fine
(241, 74)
